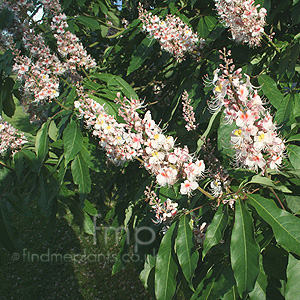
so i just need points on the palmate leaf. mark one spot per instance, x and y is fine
(185, 249)
(293, 274)
(216, 229)
(166, 267)
(286, 227)
(244, 251)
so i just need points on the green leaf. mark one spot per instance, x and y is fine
(147, 274)
(88, 22)
(166, 267)
(217, 282)
(53, 131)
(232, 294)
(6, 97)
(293, 203)
(224, 131)
(114, 80)
(271, 91)
(244, 251)
(88, 224)
(202, 28)
(294, 155)
(268, 182)
(42, 142)
(293, 275)
(295, 137)
(81, 176)
(286, 227)
(72, 139)
(210, 22)
(9, 237)
(140, 54)
(89, 208)
(216, 229)
(185, 249)
(260, 288)
(285, 109)
(214, 120)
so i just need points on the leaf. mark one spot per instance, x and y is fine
(53, 131)
(270, 90)
(89, 22)
(244, 250)
(260, 288)
(216, 229)
(115, 80)
(224, 138)
(214, 120)
(89, 208)
(42, 142)
(295, 137)
(140, 54)
(202, 28)
(148, 272)
(286, 227)
(185, 249)
(9, 237)
(268, 182)
(285, 109)
(88, 224)
(81, 176)
(218, 281)
(73, 141)
(294, 155)
(6, 97)
(210, 22)
(293, 203)
(293, 274)
(166, 267)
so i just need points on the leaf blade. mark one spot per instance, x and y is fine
(244, 251)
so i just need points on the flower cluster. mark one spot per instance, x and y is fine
(41, 70)
(245, 20)
(188, 112)
(69, 47)
(10, 138)
(173, 35)
(164, 211)
(255, 140)
(143, 139)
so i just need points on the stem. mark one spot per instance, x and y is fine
(6, 166)
(205, 193)
(272, 190)
(86, 74)
(140, 160)
(64, 107)
(270, 42)
(188, 212)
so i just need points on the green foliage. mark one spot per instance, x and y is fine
(249, 252)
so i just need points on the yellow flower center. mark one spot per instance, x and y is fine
(238, 132)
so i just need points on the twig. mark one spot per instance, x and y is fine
(272, 190)
(6, 166)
